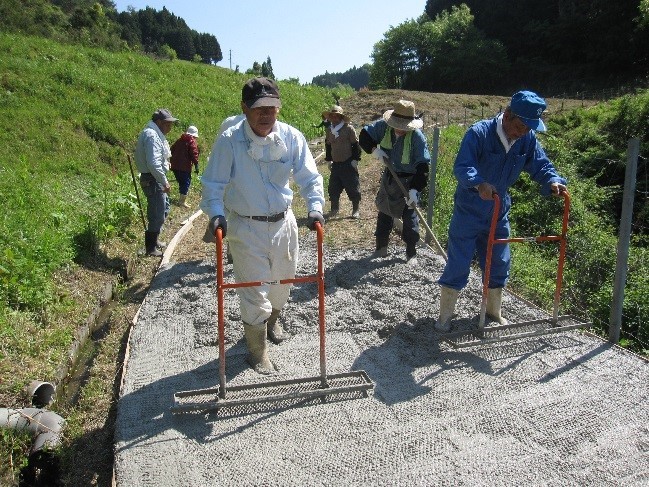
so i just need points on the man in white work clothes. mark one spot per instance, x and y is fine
(254, 160)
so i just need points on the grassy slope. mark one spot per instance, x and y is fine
(67, 112)
(68, 117)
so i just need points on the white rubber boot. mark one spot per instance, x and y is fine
(494, 303)
(258, 349)
(182, 201)
(276, 333)
(447, 300)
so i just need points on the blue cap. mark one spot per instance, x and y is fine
(528, 106)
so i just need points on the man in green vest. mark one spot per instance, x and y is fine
(398, 138)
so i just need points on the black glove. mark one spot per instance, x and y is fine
(217, 221)
(314, 216)
(196, 169)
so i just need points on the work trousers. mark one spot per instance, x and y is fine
(468, 236)
(344, 176)
(262, 251)
(410, 232)
(157, 208)
(184, 179)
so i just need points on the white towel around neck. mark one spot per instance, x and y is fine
(334, 130)
(277, 148)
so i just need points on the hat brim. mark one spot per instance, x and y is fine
(535, 124)
(402, 123)
(264, 101)
(328, 114)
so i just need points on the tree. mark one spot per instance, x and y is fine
(255, 70)
(267, 69)
(355, 77)
(436, 55)
(588, 39)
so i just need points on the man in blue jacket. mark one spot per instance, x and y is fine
(492, 155)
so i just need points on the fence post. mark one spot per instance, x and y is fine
(624, 238)
(432, 176)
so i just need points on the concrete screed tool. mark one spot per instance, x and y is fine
(555, 324)
(246, 397)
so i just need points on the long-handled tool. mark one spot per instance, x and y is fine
(438, 247)
(556, 324)
(274, 391)
(137, 193)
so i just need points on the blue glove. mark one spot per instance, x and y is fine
(314, 216)
(217, 221)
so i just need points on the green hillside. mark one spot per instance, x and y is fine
(69, 116)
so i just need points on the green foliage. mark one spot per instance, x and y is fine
(545, 40)
(69, 117)
(167, 52)
(14, 450)
(435, 55)
(355, 77)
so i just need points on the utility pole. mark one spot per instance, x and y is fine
(230, 51)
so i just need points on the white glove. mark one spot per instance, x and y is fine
(413, 198)
(379, 153)
(355, 164)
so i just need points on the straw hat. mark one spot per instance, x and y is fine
(403, 117)
(336, 109)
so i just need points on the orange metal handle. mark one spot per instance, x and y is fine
(220, 286)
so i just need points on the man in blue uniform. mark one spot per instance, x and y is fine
(492, 155)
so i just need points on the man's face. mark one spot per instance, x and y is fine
(261, 119)
(335, 118)
(513, 126)
(165, 127)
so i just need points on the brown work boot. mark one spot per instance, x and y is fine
(274, 330)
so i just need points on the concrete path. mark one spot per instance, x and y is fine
(565, 409)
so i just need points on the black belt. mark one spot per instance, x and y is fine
(270, 218)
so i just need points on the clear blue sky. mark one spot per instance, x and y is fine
(303, 38)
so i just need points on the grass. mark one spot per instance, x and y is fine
(69, 116)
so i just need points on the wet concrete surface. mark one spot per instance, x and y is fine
(562, 409)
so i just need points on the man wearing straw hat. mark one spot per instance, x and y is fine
(398, 138)
(343, 151)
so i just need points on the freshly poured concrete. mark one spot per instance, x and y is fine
(565, 409)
